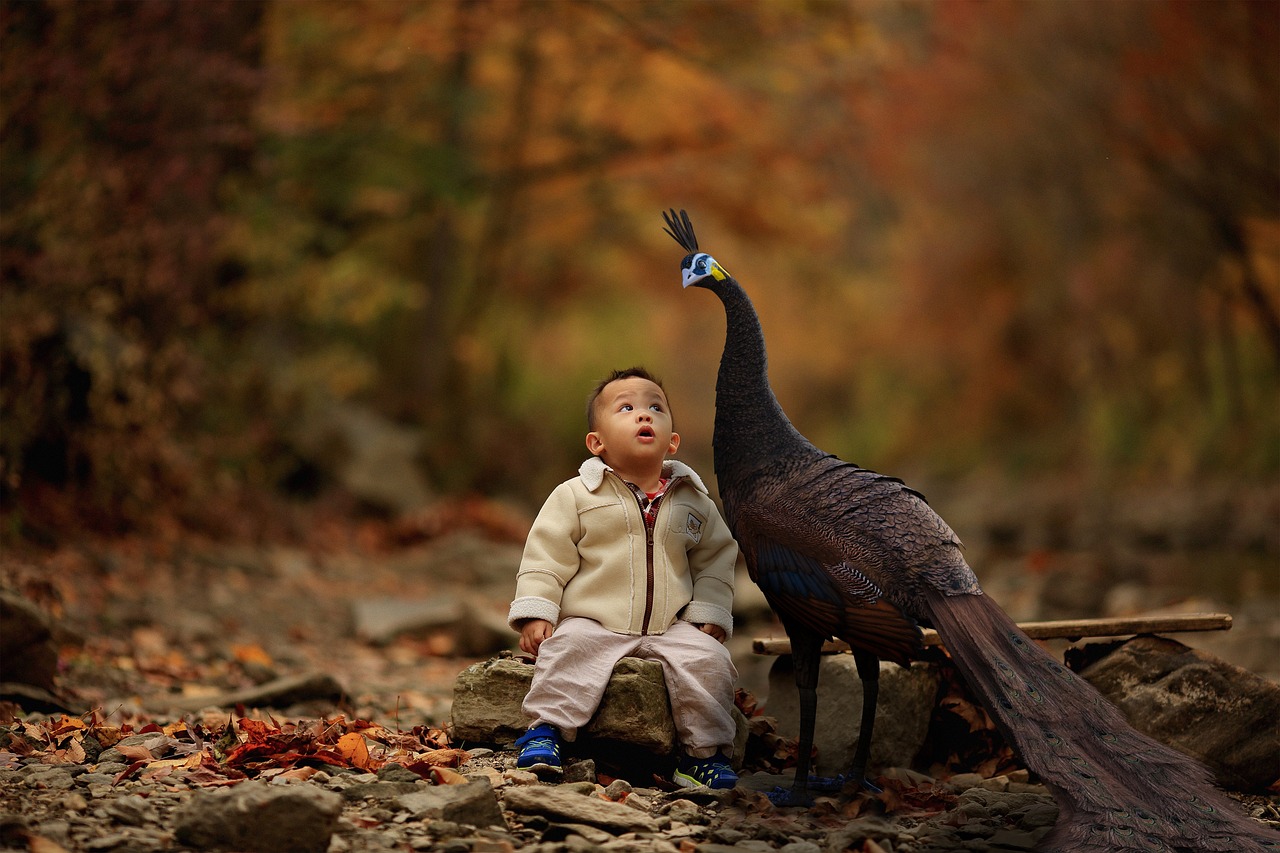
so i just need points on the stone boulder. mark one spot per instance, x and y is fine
(1221, 714)
(476, 628)
(904, 708)
(27, 648)
(259, 818)
(635, 710)
(564, 803)
(474, 803)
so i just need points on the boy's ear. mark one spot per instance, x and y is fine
(675, 442)
(595, 444)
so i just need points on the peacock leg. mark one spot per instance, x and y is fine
(869, 671)
(806, 654)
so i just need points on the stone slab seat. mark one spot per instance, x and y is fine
(635, 712)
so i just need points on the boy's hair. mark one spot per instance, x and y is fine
(637, 372)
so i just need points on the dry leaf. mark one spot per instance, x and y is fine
(252, 653)
(445, 776)
(300, 774)
(135, 752)
(445, 757)
(353, 748)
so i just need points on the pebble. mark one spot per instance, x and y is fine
(77, 808)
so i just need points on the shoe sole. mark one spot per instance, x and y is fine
(686, 781)
(541, 769)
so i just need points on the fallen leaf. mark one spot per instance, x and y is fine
(445, 776)
(135, 752)
(127, 772)
(445, 757)
(353, 748)
(300, 774)
(252, 653)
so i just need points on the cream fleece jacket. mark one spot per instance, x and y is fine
(588, 555)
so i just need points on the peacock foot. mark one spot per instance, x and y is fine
(790, 797)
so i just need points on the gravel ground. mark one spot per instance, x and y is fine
(146, 635)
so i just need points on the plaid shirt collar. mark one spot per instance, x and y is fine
(649, 505)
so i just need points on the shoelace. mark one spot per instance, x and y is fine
(708, 771)
(541, 744)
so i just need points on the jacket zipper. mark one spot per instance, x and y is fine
(650, 574)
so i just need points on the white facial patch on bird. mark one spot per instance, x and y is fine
(700, 266)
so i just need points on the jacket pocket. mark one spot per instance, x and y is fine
(688, 522)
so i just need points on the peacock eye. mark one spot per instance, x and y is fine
(700, 265)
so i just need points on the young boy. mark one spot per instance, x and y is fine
(629, 558)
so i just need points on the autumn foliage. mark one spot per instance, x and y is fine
(1017, 237)
(238, 749)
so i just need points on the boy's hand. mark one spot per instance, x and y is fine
(532, 633)
(714, 630)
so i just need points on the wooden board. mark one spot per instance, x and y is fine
(1059, 629)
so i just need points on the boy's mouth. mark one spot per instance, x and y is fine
(645, 432)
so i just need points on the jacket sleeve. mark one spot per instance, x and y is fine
(550, 559)
(712, 563)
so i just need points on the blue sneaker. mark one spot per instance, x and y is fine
(539, 750)
(713, 772)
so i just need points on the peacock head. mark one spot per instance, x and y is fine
(697, 268)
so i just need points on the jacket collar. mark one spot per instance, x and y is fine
(592, 473)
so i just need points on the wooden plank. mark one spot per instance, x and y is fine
(1058, 629)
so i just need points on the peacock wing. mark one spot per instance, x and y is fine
(831, 600)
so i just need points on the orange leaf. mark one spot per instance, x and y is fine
(445, 757)
(445, 776)
(300, 773)
(353, 748)
(252, 653)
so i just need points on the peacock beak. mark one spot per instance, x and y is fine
(688, 277)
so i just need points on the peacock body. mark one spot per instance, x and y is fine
(842, 551)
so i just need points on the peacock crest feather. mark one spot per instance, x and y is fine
(681, 229)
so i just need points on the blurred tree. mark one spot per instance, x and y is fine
(1077, 200)
(119, 121)
(1018, 235)
(399, 236)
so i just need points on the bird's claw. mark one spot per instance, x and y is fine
(785, 797)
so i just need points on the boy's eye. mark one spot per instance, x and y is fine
(625, 407)
(657, 407)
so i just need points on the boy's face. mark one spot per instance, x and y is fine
(633, 425)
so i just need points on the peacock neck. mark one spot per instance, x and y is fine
(750, 427)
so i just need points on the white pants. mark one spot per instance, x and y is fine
(575, 662)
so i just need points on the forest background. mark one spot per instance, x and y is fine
(245, 244)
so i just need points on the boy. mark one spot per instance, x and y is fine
(629, 558)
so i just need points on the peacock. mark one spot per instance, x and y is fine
(842, 551)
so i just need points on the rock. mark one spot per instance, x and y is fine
(132, 810)
(256, 818)
(562, 803)
(474, 803)
(475, 628)
(635, 709)
(372, 457)
(278, 693)
(1012, 839)
(1219, 713)
(27, 647)
(31, 698)
(906, 701)
(855, 833)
